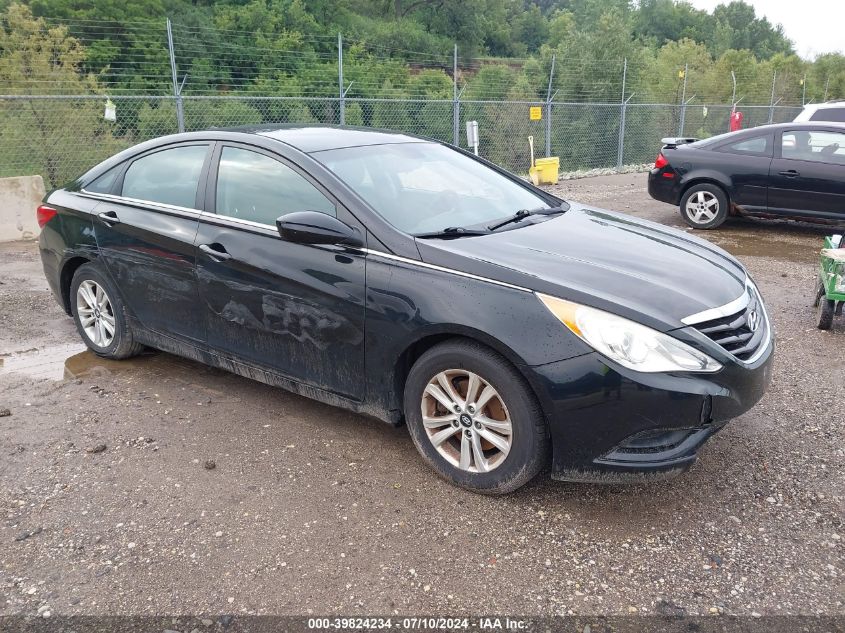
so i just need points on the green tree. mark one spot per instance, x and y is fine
(36, 59)
(738, 27)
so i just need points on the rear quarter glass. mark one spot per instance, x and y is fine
(836, 115)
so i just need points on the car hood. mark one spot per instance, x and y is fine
(632, 267)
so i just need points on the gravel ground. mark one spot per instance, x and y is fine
(159, 486)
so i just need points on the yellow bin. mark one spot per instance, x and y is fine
(547, 170)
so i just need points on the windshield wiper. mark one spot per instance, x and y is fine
(453, 231)
(524, 213)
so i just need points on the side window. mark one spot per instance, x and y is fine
(170, 176)
(104, 182)
(817, 146)
(757, 145)
(255, 187)
(829, 114)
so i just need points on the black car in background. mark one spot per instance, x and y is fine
(790, 170)
(411, 281)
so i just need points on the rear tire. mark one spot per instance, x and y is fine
(492, 437)
(704, 206)
(99, 314)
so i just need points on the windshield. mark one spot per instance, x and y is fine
(427, 187)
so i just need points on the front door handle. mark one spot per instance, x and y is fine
(789, 173)
(215, 251)
(109, 218)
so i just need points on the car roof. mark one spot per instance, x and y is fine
(826, 104)
(797, 125)
(318, 138)
(771, 127)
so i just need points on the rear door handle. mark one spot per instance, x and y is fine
(215, 252)
(789, 173)
(109, 218)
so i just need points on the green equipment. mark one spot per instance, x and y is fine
(830, 289)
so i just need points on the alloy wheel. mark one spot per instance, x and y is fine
(702, 207)
(466, 420)
(96, 315)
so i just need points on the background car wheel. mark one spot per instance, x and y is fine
(98, 314)
(704, 206)
(474, 419)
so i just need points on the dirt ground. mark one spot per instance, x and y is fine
(108, 506)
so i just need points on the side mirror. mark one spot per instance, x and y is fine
(313, 227)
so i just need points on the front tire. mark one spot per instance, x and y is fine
(473, 418)
(99, 315)
(824, 311)
(704, 206)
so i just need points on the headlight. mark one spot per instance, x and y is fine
(628, 343)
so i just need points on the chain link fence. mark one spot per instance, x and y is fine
(59, 137)
(164, 78)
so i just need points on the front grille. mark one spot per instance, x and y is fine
(736, 333)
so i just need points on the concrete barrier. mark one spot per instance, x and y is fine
(19, 198)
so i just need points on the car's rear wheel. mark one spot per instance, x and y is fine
(473, 418)
(704, 206)
(99, 316)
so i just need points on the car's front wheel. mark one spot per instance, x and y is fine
(704, 206)
(474, 419)
(98, 312)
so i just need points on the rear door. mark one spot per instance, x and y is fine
(294, 309)
(145, 231)
(807, 177)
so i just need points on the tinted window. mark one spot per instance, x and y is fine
(756, 145)
(829, 114)
(170, 176)
(105, 182)
(251, 186)
(822, 147)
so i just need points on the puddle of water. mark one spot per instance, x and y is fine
(48, 362)
(59, 362)
(74, 360)
(87, 362)
(749, 246)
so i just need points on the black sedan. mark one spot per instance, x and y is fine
(789, 170)
(408, 280)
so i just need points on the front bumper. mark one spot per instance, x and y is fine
(612, 424)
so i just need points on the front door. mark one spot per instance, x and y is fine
(808, 178)
(294, 309)
(145, 233)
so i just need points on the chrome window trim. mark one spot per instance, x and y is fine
(194, 213)
(443, 269)
(268, 227)
(108, 197)
(227, 219)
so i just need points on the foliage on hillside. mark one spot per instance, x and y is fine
(289, 47)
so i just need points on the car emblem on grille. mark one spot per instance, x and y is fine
(753, 320)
